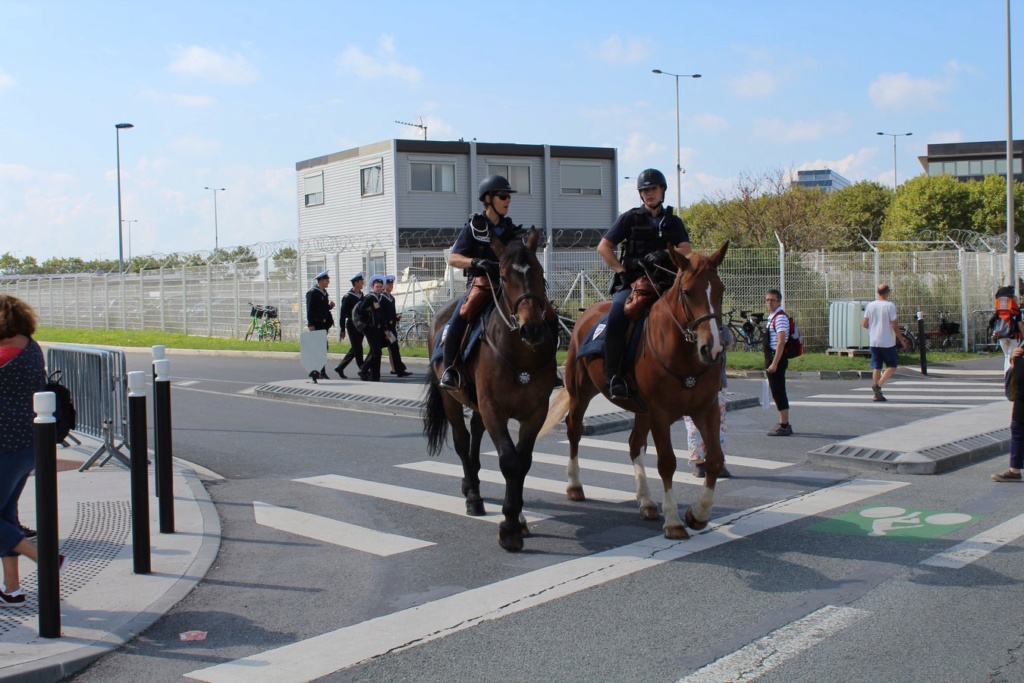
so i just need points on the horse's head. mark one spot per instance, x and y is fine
(698, 290)
(522, 283)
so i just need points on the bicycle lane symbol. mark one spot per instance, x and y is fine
(896, 522)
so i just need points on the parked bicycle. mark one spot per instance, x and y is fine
(265, 324)
(911, 338)
(749, 332)
(947, 336)
(414, 327)
(565, 327)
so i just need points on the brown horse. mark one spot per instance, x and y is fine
(509, 377)
(677, 373)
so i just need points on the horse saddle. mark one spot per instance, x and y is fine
(476, 333)
(593, 341)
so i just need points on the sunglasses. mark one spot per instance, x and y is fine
(504, 196)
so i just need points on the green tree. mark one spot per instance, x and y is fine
(862, 206)
(9, 264)
(928, 208)
(989, 201)
(63, 265)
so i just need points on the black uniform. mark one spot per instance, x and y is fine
(318, 315)
(387, 303)
(355, 337)
(371, 313)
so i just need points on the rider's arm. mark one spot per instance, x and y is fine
(459, 261)
(463, 245)
(607, 251)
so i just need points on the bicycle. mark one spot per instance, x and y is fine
(947, 336)
(565, 327)
(264, 324)
(749, 332)
(910, 337)
(414, 330)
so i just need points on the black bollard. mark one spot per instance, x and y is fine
(139, 446)
(48, 535)
(164, 454)
(159, 353)
(924, 342)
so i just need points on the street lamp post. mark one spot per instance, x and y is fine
(216, 238)
(894, 136)
(118, 127)
(679, 165)
(129, 222)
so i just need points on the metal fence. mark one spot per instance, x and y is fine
(213, 300)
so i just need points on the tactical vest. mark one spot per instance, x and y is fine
(481, 242)
(643, 237)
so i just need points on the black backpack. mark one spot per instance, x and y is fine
(67, 417)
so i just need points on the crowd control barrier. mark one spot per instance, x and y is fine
(98, 381)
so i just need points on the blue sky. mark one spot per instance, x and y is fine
(232, 94)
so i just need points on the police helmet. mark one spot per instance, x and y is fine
(492, 184)
(651, 177)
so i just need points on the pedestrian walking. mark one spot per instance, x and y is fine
(1012, 474)
(370, 314)
(318, 310)
(347, 326)
(392, 316)
(775, 359)
(883, 332)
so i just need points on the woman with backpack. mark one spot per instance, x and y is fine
(775, 359)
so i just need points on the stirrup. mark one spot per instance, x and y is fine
(617, 387)
(450, 379)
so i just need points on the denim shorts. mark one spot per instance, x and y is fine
(883, 354)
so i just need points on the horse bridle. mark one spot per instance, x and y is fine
(510, 320)
(688, 332)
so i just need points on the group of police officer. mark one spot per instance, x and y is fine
(372, 316)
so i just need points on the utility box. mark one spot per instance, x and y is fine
(845, 325)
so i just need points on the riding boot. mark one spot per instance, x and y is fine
(614, 348)
(452, 347)
(555, 328)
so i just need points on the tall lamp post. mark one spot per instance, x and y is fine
(679, 165)
(118, 127)
(216, 238)
(894, 136)
(129, 222)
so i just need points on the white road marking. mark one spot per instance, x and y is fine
(991, 397)
(778, 647)
(880, 405)
(622, 468)
(332, 531)
(731, 459)
(986, 389)
(532, 483)
(400, 494)
(325, 654)
(979, 546)
(186, 383)
(953, 372)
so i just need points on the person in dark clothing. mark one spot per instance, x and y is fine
(392, 316)
(345, 325)
(775, 360)
(643, 232)
(1013, 475)
(371, 313)
(318, 310)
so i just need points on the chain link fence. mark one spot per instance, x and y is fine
(214, 299)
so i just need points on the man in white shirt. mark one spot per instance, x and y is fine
(883, 331)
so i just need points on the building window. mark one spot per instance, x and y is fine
(313, 188)
(1001, 166)
(988, 167)
(580, 178)
(432, 177)
(314, 267)
(934, 168)
(517, 176)
(1016, 166)
(371, 180)
(376, 263)
(975, 167)
(428, 265)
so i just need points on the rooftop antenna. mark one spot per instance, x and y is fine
(416, 125)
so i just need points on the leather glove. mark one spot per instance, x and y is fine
(631, 264)
(651, 260)
(488, 266)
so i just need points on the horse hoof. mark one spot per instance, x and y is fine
(510, 542)
(649, 513)
(524, 531)
(575, 493)
(693, 522)
(676, 533)
(475, 508)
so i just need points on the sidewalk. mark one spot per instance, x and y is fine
(103, 603)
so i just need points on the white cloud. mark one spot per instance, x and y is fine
(353, 60)
(853, 166)
(757, 83)
(638, 151)
(709, 123)
(191, 100)
(901, 91)
(776, 130)
(196, 145)
(214, 66)
(617, 50)
(944, 136)
(6, 80)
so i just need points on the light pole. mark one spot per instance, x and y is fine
(679, 165)
(129, 222)
(120, 233)
(216, 238)
(894, 136)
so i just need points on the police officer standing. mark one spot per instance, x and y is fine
(371, 313)
(318, 310)
(392, 316)
(643, 232)
(348, 306)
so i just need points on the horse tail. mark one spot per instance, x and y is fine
(558, 409)
(435, 421)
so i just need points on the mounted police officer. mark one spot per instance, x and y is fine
(318, 309)
(643, 232)
(472, 252)
(345, 325)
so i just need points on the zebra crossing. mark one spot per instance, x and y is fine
(385, 544)
(951, 390)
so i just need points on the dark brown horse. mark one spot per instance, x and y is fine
(509, 377)
(677, 373)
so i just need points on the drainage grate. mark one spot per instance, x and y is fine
(99, 535)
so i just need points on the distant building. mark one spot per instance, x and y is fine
(825, 179)
(972, 160)
(416, 194)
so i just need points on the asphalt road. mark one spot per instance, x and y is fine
(598, 595)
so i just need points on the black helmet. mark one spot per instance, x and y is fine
(651, 177)
(493, 183)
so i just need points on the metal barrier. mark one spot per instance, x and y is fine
(98, 381)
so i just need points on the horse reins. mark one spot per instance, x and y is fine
(688, 333)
